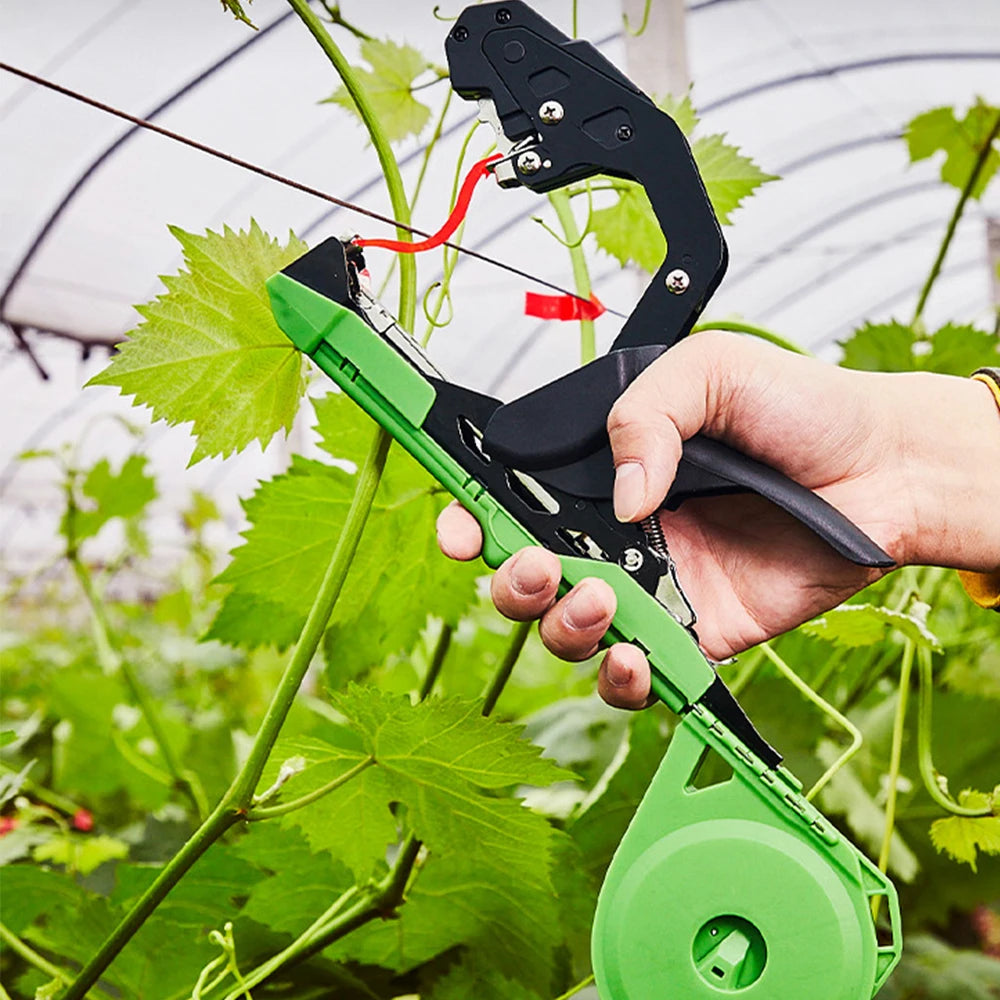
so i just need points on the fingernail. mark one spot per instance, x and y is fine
(619, 674)
(528, 578)
(630, 490)
(584, 609)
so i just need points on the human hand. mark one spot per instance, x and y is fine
(891, 452)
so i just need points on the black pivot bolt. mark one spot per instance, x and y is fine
(503, 16)
(461, 33)
(624, 133)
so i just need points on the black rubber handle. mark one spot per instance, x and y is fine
(711, 468)
(558, 433)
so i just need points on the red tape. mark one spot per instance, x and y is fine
(562, 307)
(454, 220)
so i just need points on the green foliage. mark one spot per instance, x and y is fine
(513, 846)
(236, 9)
(296, 520)
(389, 87)
(963, 142)
(866, 624)
(896, 347)
(106, 495)
(209, 351)
(963, 836)
(628, 229)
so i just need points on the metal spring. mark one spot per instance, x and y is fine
(655, 539)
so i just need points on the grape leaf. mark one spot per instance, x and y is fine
(962, 837)
(880, 347)
(960, 349)
(489, 870)
(629, 231)
(472, 978)
(209, 351)
(729, 176)
(963, 142)
(389, 87)
(397, 577)
(236, 9)
(603, 817)
(932, 970)
(299, 884)
(109, 495)
(682, 111)
(864, 624)
(85, 757)
(81, 853)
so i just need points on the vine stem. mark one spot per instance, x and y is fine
(347, 913)
(441, 648)
(895, 757)
(283, 808)
(519, 636)
(928, 772)
(956, 215)
(573, 990)
(820, 702)
(40, 962)
(236, 803)
(386, 157)
(111, 661)
(736, 326)
(581, 276)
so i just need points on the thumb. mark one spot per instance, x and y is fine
(668, 403)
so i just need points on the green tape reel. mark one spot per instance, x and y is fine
(718, 893)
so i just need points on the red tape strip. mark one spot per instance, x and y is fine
(562, 307)
(454, 220)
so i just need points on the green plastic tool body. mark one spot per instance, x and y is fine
(739, 889)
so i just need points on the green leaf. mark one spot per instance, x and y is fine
(932, 970)
(209, 351)
(108, 495)
(962, 837)
(397, 577)
(628, 230)
(880, 347)
(300, 883)
(474, 978)
(389, 87)
(236, 9)
(960, 350)
(864, 624)
(729, 176)
(82, 854)
(605, 814)
(963, 142)
(488, 876)
(682, 111)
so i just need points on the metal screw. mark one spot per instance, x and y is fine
(529, 163)
(551, 112)
(461, 33)
(624, 133)
(678, 281)
(503, 16)
(632, 560)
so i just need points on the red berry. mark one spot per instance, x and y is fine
(8, 823)
(83, 820)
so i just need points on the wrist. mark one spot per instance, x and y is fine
(950, 471)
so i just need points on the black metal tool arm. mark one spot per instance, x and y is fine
(564, 113)
(570, 115)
